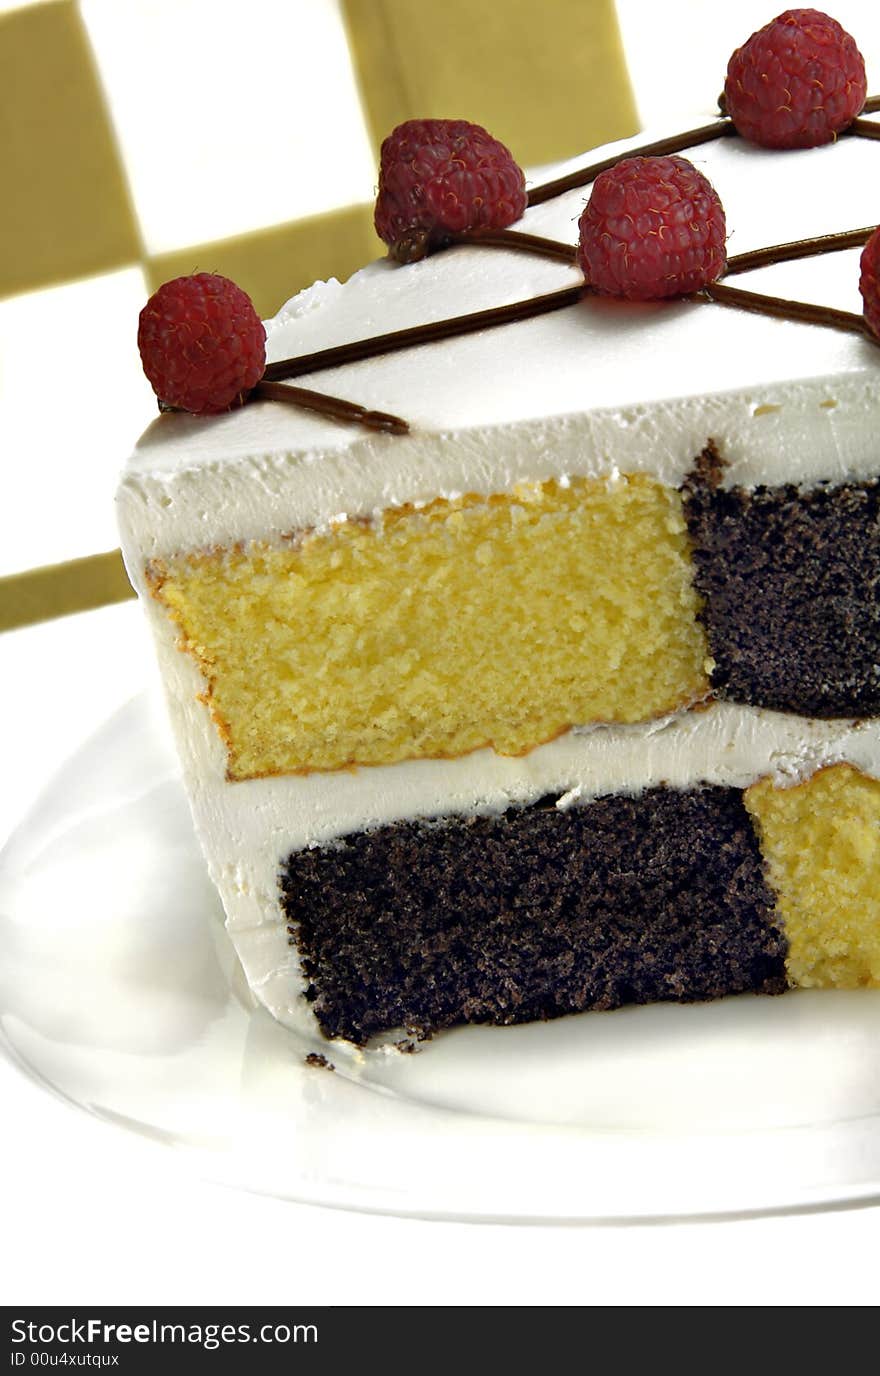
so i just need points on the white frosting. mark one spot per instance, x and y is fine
(598, 386)
(594, 389)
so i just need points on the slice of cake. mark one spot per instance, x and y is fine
(568, 696)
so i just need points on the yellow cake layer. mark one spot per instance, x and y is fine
(821, 843)
(483, 621)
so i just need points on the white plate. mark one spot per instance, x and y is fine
(119, 991)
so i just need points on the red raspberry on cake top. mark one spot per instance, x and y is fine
(202, 344)
(653, 227)
(797, 82)
(439, 177)
(869, 282)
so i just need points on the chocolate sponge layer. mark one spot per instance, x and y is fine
(535, 913)
(790, 583)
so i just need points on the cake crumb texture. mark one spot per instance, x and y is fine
(433, 632)
(535, 913)
(790, 587)
(821, 840)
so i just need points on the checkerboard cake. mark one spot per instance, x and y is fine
(568, 697)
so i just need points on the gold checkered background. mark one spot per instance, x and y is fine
(98, 97)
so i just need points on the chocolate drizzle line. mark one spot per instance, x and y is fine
(797, 248)
(333, 407)
(740, 262)
(676, 143)
(515, 238)
(865, 128)
(788, 310)
(723, 127)
(424, 334)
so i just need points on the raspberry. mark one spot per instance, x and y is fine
(869, 282)
(202, 344)
(439, 177)
(652, 227)
(796, 83)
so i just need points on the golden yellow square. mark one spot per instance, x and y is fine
(548, 80)
(66, 207)
(272, 264)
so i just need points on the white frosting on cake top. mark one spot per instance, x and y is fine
(597, 387)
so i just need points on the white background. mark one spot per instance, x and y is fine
(677, 52)
(90, 1215)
